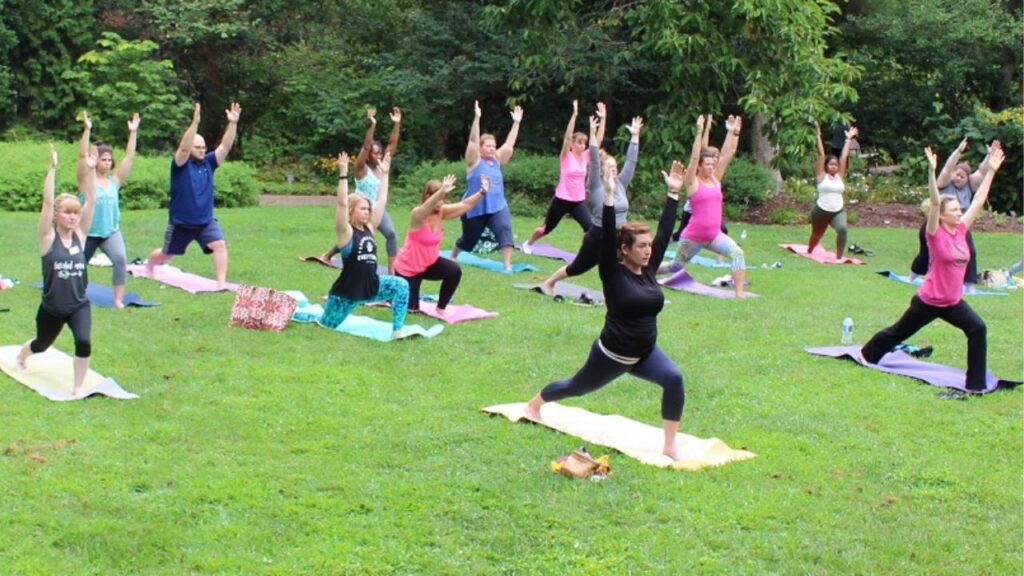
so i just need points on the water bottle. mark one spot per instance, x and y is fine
(743, 234)
(847, 337)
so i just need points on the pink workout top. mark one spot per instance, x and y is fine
(572, 177)
(706, 221)
(422, 248)
(947, 265)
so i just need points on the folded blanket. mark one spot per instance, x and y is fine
(819, 254)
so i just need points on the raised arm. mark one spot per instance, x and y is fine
(947, 169)
(602, 114)
(382, 192)
(663, 236)
(185, 145)
(124, 169)
(46, 213)
(632, 153)
(342, 227)
(473, 146)
(733, 125)
(976, 178)
(819, 165)
(706, 136)
(505, 152)
(689, 177)
(569, 129)
(608, 258)
(367, 147)
(935, 204)
(460, 208)
(84, 149)
(595, 189)
(396, 129)
(228, 140)
(844, 156)
(86, 175)
(993, 162)
(436, 199)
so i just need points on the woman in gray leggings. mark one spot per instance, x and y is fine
(829, 210)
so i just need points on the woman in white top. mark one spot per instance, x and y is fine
(828, 209)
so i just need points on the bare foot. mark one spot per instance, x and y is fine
(23, 355)
(548, 289)
(400, 334)
(118, 305)
(672, 452)
(442, 312)
(76, 392)
(532, 413)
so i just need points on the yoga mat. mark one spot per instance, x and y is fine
(701, 260)
(819, 255)
(171, 276)
(455, 313)
(634, 439)
(102, 296)
(899, 362)
(52, 375)
(567, 291)
(919, 280)
(548, 251)
(685, 283)
(363, 326)
(492, 265)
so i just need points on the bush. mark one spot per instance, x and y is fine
(21, 184)
(787, 216)
(746, 184)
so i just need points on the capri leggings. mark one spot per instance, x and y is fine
(599, 370)
(588, 254)
(387, 228)
(557, 210)
(822, 219)
(48, 326)
(392, 288)
(500, 223)
(722, 244)
(113, 247)
(443, 269)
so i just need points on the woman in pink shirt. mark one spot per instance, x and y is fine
(420, 257)
(572, 175)
(941, 295)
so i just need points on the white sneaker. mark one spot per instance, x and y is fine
(527, 248)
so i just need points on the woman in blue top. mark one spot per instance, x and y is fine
(105, 232)
(484, 158)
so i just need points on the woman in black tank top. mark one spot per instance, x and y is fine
(63, 225)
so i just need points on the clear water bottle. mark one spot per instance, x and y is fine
(847, 337)
(743, 234)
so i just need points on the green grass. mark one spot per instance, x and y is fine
(310, 452)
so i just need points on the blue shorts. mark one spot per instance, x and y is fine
(499, 222)
(178, 237)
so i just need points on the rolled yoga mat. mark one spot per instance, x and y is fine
(52, 374)
(172, 276)
(919, 280)
(685, 283)
(568, 291)
(899, 362)
(548, 251)
(639, 441)
(819, 254)
(103, 296)
(492, 265)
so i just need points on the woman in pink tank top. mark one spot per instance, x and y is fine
(703, 182)
(941, 295)
(420, 256)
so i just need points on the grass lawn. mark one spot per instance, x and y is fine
(310, 452)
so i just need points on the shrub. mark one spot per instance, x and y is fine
(786, 216)
(746, 184)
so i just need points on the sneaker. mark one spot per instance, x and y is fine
(527, 248)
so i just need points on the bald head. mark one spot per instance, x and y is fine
(198, 150)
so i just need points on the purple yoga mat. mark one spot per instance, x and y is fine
(685, 283)
(899, 362)
(167, 274)
(548, 251)
(820, 254)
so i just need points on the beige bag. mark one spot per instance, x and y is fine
(580, 464)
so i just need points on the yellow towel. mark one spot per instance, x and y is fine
(634, 439)
(51, 374)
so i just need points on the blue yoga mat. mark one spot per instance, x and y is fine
(103, 296)
(919, 280)
(492, 265)
(364, 326)
(701, 260)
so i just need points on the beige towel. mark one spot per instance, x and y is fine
(52, 374)
(630, 437)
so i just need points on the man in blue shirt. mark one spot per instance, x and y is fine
(191, 209)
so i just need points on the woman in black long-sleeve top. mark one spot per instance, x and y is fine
(628, 342)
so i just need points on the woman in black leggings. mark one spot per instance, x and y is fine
(629, 259)
(63, 226)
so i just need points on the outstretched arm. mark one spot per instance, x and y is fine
(844, 156)
(382, 192)
(460, 208)
(629, 167)
(734, 124)
(396, 128)
(934, 205)
(595, 189)
(819, 165)
(473, 146)
(505, 152)
(46, 213)
(436, 199)
(979, 174)
(228, 140)
(662, 238)
(364, 151)
(185, 145)
(602, 114)
(342, 227)
(993, 162)
(689, 177)
(947, 169)
(706, 136)
(86, 173)
(569, 129)
(124, 169)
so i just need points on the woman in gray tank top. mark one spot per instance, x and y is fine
(63, 225)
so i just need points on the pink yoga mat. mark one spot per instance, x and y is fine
(167, 274)
(685, 283)
(819, 255)
(456, 313)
